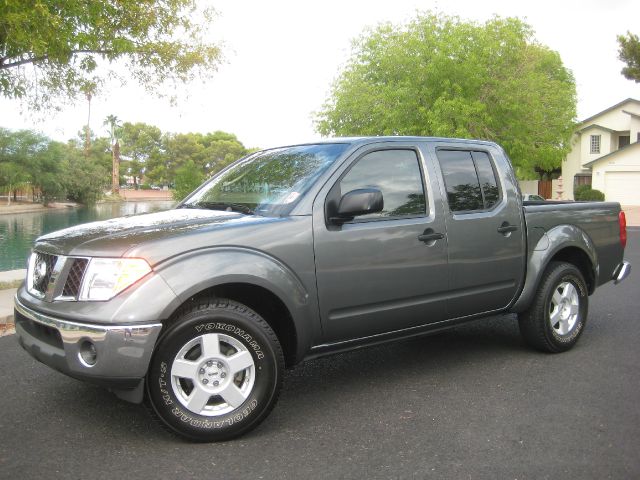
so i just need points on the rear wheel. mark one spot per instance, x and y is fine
(557, 316)
(216, 372)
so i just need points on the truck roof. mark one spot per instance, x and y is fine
(390, 138)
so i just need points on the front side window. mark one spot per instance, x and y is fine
(470, 180)
(267, 182)
(396, 173)
(595, 143)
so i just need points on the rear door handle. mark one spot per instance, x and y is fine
(430, 237)
(506, 228)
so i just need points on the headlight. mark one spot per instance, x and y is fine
(106, 277)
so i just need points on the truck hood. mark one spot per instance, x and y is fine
(117, 236)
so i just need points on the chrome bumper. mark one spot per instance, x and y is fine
(621, 272)
(123, 351)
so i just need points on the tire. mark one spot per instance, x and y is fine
(558, 313)
(216, 372)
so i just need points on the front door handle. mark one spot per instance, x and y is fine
(430, 236)
(506, 228)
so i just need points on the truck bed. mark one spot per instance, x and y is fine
(598, 222)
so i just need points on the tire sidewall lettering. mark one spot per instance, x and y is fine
(209, 423)
(249, 341)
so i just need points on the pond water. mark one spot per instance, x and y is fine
(18, 231)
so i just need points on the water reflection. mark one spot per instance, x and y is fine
(18, 231)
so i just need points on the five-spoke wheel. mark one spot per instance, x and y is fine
(212, 374)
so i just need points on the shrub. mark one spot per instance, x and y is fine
(579, 190)
(145, 186)
(587, 194)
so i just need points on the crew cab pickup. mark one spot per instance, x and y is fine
(295, 252)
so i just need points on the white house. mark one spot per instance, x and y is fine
(606, 154)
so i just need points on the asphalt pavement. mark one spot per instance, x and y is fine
(470, 403)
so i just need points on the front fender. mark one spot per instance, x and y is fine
(547, 247)
(199, 270)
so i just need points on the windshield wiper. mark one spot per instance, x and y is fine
(226, 206)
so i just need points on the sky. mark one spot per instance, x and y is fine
(282, 56)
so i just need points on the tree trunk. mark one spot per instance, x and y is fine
(87, 133)
(115, 174)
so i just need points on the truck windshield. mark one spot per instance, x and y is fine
(267, 182)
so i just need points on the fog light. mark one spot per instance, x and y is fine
(88, 353)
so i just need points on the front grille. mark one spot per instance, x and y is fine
(42, 271)
(55, 277)
(74, 277)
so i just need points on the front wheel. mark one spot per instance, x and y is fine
(557, 316)
(216, 372)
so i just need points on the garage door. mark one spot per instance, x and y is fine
(623, 187)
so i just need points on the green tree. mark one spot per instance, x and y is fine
(12, 178)
(221, 149)
(439, 75)
(48, 178)
(27, 158)
(52, 49)
(141, 144)
(629, 53)
(87, 173)
(85, 178)
(209, 152)
(188, 178)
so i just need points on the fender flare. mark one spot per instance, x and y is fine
(549, 245)
(198, 270)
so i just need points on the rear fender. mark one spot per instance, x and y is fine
(548, 246)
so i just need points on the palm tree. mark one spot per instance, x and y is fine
(114, 133)
(88, 89)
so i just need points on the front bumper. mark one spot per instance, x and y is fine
(123, 352)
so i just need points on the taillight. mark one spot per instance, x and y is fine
(622, 220)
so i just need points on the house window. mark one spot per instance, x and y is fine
(595, 143)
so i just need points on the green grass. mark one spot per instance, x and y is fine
(12, 284)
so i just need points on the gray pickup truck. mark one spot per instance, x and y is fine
(301, 251)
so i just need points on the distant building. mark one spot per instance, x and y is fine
(606, 154)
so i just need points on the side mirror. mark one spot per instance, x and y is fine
(358, 202)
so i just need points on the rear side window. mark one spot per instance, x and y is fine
(469, 179)
(396, 173)
(487, 178)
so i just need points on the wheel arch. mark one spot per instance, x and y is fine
(262, 301)
(566, 243)
(254, 279)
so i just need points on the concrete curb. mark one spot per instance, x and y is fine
(7, 326)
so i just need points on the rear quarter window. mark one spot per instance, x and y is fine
(470, 180)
